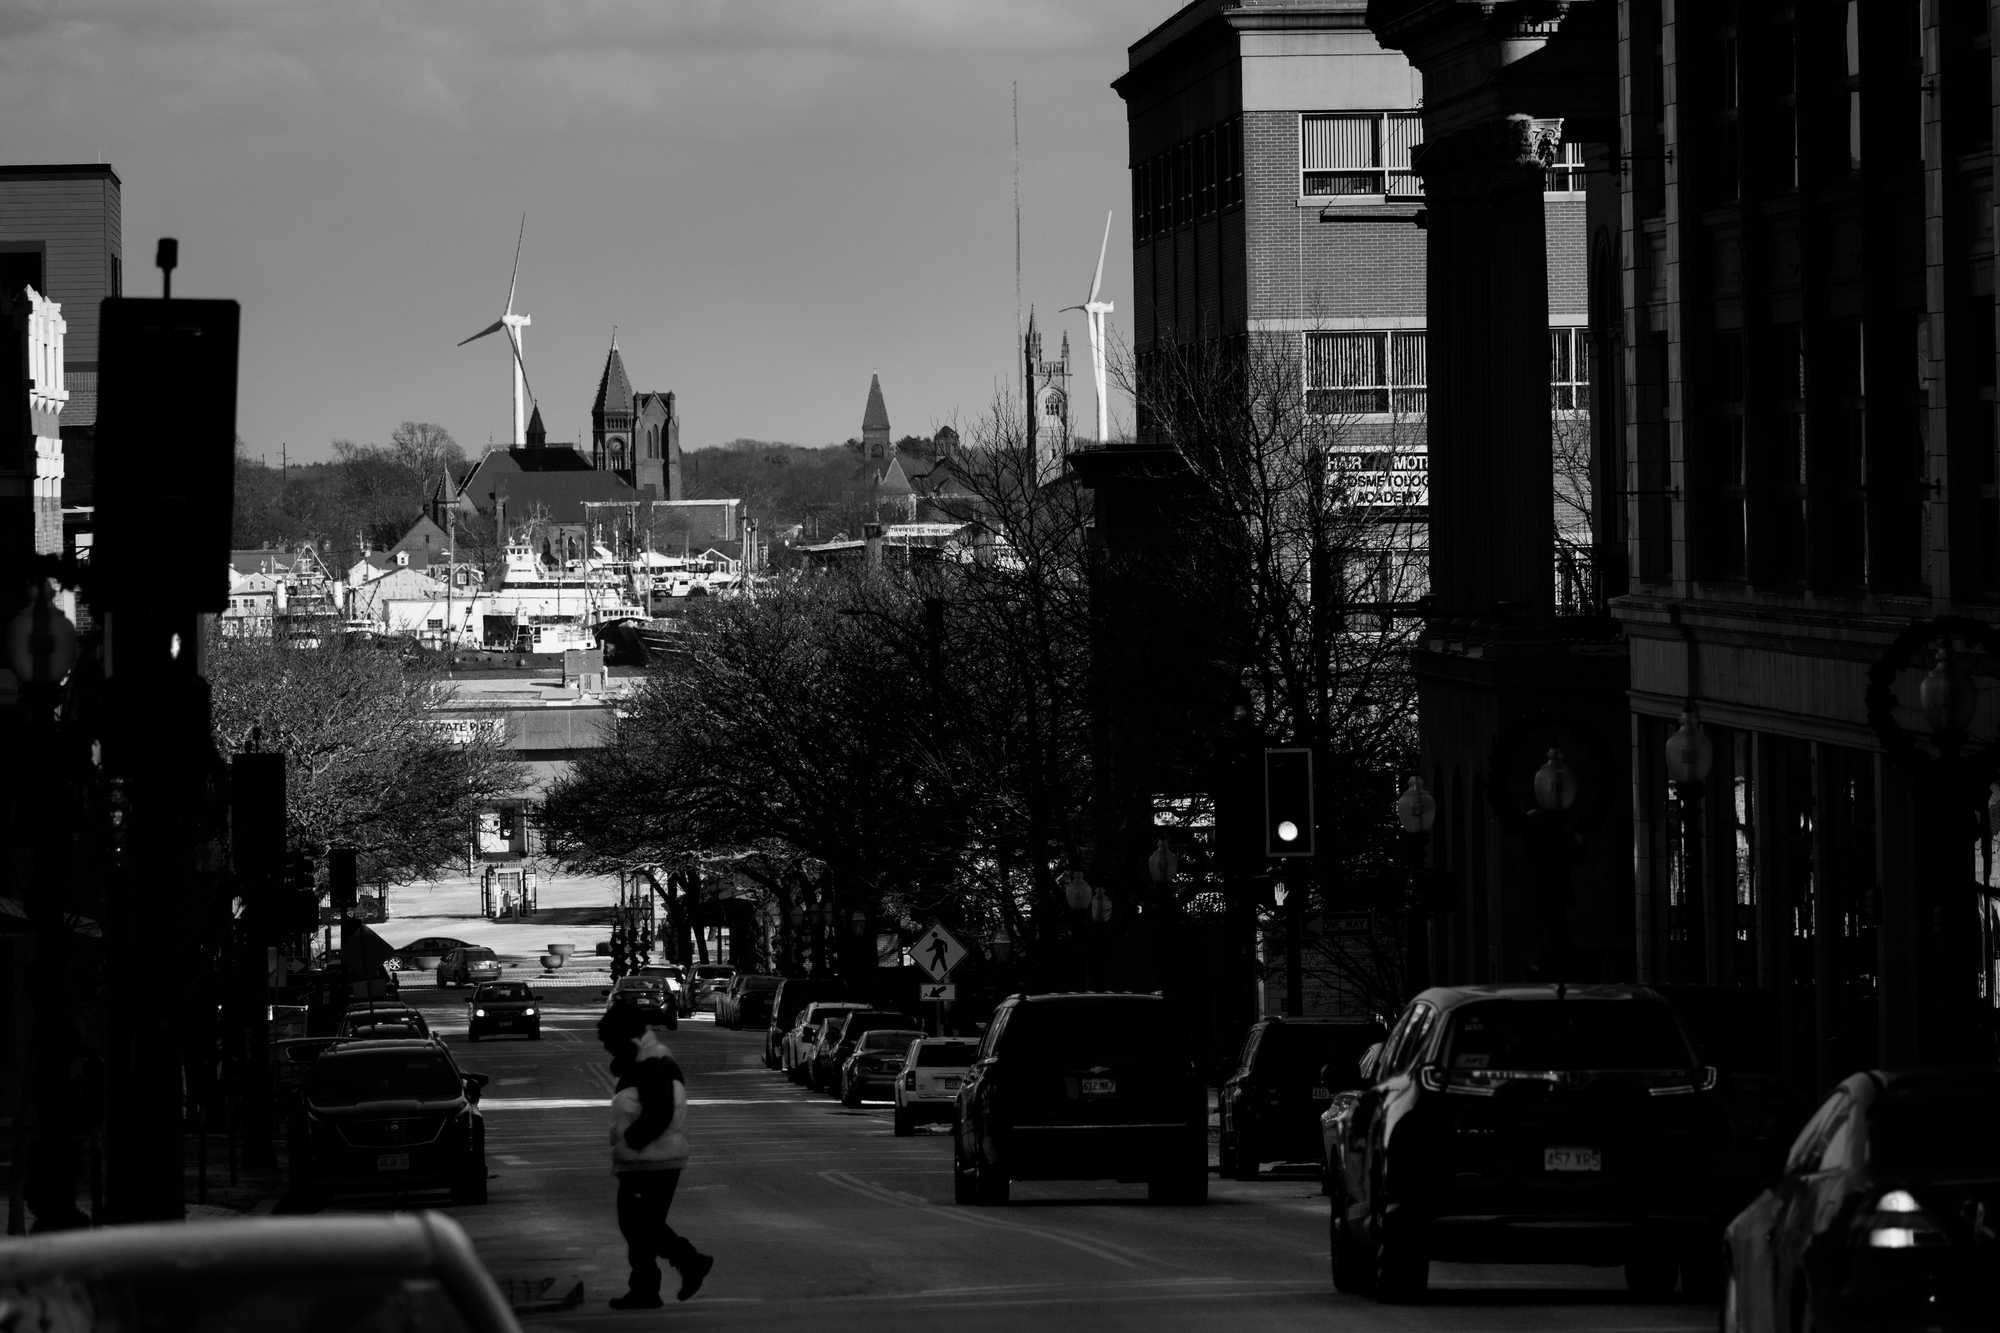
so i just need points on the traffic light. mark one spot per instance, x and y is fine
(1289, 828)
(507, 824)
(340, 879)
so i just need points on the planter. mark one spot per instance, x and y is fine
(562, 950)
(552, 961)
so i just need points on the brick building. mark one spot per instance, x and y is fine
(1791, 223)
(60, 233)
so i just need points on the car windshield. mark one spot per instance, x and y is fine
(1138, 1028)
(885, 1039)
(762, 983)
(1937, 1124)
(1568, 1034)
(952, 1054)
(713, 971)
(176, 1298)
(638, 983)
(504, 990)
(345, 1078)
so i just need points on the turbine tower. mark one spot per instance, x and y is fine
(1094, 312)
(512, 324)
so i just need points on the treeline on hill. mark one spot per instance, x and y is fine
(370, 494)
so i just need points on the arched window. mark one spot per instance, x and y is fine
(1056, 405)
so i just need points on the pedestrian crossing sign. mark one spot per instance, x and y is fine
(937, 952)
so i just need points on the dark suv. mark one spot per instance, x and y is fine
(1082, 1086)
(1529, 1124)
(381, 1116)
(1269, 1108)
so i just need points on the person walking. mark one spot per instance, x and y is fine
(649, 1150)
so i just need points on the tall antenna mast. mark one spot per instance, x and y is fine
(1017, 227)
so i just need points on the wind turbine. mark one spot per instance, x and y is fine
(1094, 312)
(512, 324)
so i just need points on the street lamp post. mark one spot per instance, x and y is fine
(1089, 913)
(1555, 794)
(1416, 814)
(1690, 756)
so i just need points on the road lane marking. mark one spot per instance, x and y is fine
(599, 1103)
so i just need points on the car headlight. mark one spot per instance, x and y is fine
(479, 1013)
(528, 1012)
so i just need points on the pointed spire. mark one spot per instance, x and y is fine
(614, 390)
(538, 434)
(875, 421)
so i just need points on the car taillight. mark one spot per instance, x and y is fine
(1899, 1222)
(910, 1080)
(1702, 1080)
(1470, 1082)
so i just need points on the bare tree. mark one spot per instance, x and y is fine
(426, 451)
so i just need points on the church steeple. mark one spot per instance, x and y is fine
(611, 416)
(538, 434)
(875, 422)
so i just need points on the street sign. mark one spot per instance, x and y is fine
(943, 990)
(937, 952)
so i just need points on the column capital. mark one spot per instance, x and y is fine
(1494, 154)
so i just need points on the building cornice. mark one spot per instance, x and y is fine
(61, 171)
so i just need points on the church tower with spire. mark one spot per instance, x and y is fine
(1048, 396)
(875, 444)
(611, 418)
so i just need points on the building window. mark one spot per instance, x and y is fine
(1359, 153)
(1197, 178)
(1569, 368)
(1365, 373)
(1717, 475)
(1565, 176)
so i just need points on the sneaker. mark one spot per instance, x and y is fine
(636, 1300)
(691, 1277)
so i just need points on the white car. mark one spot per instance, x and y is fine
(927, 1085)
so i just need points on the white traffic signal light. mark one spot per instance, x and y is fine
(1288, 802)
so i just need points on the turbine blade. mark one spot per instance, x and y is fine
(1097, 278)
(514, 340)
(494, 327)
(517, 262)
(1067, 308)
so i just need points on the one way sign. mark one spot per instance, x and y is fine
(943, 990)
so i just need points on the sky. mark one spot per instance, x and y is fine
(769, 199)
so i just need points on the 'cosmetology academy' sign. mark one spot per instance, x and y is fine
(1378, 479)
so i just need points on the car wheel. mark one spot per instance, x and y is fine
(1353, 1274)
(440, 979)
(1402, 1271)
(1703, 1274)
(1188, 1187)
(1225, 1155)
(904, 1129)
(989, 1186)
(961, 1181)
(471, 1187)
(1246, 1161)
(471, 1033)
(849, 1094)
(1652, 1278)
(535, 1032)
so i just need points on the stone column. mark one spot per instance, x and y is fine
(1492, 491)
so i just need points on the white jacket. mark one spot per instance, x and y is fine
(669, 1149)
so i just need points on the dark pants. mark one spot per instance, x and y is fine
(643, 1200)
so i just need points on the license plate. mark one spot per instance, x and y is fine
(392, 1161)
(1099, 1087)
(1572, 1159)
(1322, 1095)
(949, 1084)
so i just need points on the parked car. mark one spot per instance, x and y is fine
(709, 981)
(1081, 1086)
(642, 992)
(803, 1039)
(747, 1002)
(1885, 1215)
(340, 1271)
(871, 1068)
(379, 1116)
(838, 1044)
(674, 978)
(1529, 1124)
(793, 995)
(467, 965)
(381, 1018)
(1269, 1108)
(927, 1084)
(503, 1006)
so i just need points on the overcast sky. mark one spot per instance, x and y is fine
(769, 198)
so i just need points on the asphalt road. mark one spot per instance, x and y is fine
(820, 1218)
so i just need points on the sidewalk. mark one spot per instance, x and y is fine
(569, 909)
